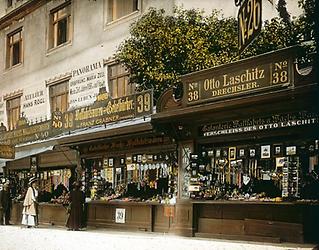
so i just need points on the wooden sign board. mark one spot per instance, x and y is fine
(249, 22)
(7, 152)
(257, 74)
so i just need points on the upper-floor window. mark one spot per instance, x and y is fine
(59, 96)
(13, 112)
(120, 8)
(60, 25)
(9, 3)
(14, 48)
(118, 79)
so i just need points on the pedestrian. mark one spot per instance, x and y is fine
(5, 203)
(77, 198)
(30, 205)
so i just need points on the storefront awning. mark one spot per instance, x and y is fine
(23, 151)
(2, 164)
(33, 151)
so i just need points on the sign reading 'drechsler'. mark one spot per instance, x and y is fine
(85, 83)
(260, 124)
(266, 72)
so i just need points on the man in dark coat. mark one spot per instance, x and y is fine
(5, 203)
(77, 199)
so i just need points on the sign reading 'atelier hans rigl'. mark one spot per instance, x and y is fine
(237, 80)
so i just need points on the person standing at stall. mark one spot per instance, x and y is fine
(77, 199)
(5, 203)
(30, 205)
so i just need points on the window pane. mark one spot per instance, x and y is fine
(16, 54)
(64, 103)
(59, 29)
(120, 8)
(13, 112)
(14, 49)
(114, 88)
(62, 31)
(121, 87)
(16, 37)
(59, 96)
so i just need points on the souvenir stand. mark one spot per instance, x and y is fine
(53, 168)
(129, 171)
(249, 144)
(129, 174)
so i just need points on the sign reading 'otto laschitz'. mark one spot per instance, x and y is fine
(240, 78)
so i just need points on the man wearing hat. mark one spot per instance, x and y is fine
(5, 203)
(29, 212)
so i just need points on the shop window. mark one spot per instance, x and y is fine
(132, 177)
(121, 8)
(59, 95)
(60, 25)
(119, 81)
(14, 48)
(13, 112)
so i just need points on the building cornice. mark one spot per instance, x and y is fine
(20, 12)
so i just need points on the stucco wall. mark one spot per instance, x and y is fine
(92, 41)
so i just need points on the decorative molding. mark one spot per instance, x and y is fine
(58, 79)
(167, 101)
(13, 95)
(20, 12)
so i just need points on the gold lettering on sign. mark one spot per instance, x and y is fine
(120, 105)
(280, 72)
(193, 93)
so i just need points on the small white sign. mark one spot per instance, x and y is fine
(120, 215)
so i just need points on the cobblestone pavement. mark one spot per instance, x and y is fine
(53, 238)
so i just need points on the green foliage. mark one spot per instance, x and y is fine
(162, 47)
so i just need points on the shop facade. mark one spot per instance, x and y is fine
(250, 130)
(55, 169)
(129, 179)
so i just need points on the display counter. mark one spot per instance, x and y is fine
(256, 220)
(136, 216)
(49, 214)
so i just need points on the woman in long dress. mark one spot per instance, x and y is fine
(30, 211)
(77, 198)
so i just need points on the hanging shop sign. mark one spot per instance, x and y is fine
(263, 73)
(249, 22)
(104, 110)
(127, 144)
(7, 152)
(260, 124)
(27, 133)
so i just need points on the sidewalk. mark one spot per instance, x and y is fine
(53, 238)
